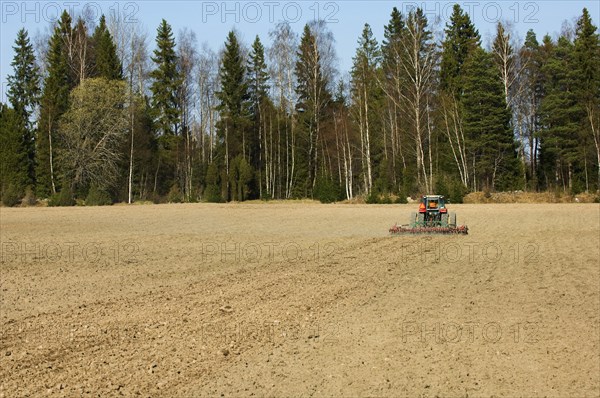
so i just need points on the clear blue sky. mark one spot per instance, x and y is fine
(211, 20)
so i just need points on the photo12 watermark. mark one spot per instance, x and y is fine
(469, 253)
(26, 12)
(265, 252)
(330, 11)
(468, 332)
(13, 252)
(489, 11)
(269, 11)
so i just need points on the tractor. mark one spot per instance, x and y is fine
(432, 218)
(433, 213)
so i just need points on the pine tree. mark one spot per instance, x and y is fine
(461, 39)
(487, 124)
(55, 101)
(23, 94)
(106, 60)
(532, 95)
(233, 96)
(561, 116)
(166, 82)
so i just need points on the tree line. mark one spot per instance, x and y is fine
(94, 116)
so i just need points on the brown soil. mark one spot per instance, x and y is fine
(299, 299)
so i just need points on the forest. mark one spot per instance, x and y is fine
(95, 117)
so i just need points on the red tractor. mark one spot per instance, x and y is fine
(433, 217)
(433, 213)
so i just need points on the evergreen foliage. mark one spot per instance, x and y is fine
(277, 120)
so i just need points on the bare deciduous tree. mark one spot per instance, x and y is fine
(419, 62)
(132, 51)
(283, 58)
(188, 59)
(207, 81)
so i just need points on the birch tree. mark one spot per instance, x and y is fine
(364, 93)
(283, 53)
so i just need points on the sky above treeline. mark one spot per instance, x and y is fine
(211, 20)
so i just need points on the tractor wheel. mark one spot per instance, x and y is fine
(421, 220)
(452, 221)
(413, 219)
(444, 220)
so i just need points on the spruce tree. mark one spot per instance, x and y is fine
(366, 95)
(392, 34)
(233, 94)
(587, 66)
(258, 91)
(106, 60)
(80, 53)
(587, 57)
(54, 102)
(394, 77)
(13, 157)
(366, 61)
(258, 75)
(461, 39)
(233, 105)
(391, 47)
(487, 124)
(313, 97)
(165, 82)
(23, 94)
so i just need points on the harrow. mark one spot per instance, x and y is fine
(433, 218)
(416, 230)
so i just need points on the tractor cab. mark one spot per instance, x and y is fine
(433, 212)
(432, 204)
